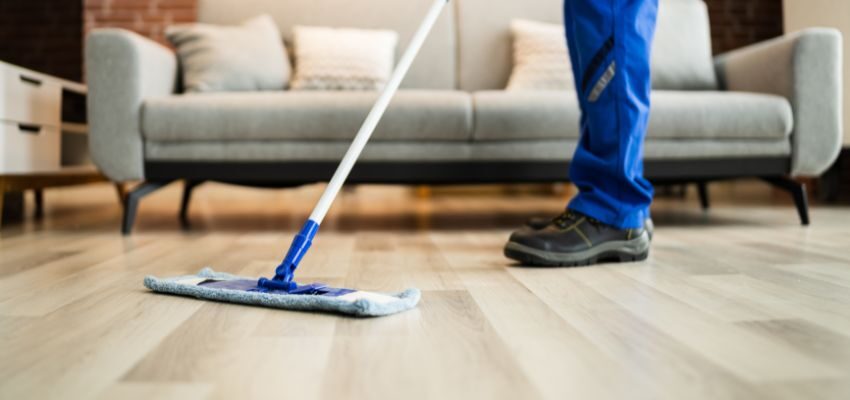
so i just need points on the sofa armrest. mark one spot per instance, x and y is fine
(123, 69)
(805, 68)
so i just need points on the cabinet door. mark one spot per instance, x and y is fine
(26, 147)
(28, 98)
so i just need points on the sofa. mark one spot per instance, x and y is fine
(770, 110)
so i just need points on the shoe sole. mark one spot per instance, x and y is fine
(623, 251)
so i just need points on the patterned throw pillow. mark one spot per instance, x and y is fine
(246, 57)
(342, 59)
(541, 60)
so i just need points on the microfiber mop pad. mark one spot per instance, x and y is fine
(218, 286)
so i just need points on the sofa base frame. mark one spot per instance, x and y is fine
(773, 170)
(451, 172)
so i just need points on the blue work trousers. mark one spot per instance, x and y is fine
(610, 43)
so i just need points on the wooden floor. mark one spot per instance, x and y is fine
(739, 303)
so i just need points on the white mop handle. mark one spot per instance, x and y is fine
(377, 112)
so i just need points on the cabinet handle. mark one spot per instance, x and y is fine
(30, 128)
(31, 81)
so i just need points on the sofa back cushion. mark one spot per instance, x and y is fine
(681, 58)
(681, 54)
(343, 58)
(435, 67)
(247, 57)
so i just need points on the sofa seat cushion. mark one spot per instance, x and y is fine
(412, 115)
(502, 115)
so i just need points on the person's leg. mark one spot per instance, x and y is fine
(610, 46)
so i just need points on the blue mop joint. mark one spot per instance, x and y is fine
(285, 272)
(283, 280)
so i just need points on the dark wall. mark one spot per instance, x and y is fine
(44, 35)
(737, 23)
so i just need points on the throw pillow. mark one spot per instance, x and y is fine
(342, 59)
(541, 59)
(246, 57)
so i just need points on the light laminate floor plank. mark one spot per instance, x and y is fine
(737, 303)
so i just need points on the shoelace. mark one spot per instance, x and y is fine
(570, 217)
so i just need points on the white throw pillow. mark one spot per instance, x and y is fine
(541, 59)
(246, 57)
(342, 59)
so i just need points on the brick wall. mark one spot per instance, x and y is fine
(146, 17)
(737, 23)
(44, 35)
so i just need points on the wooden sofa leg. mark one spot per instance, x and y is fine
(188, 187)
(797, 190)
(702, 189)
(131, 202)
(121, 191)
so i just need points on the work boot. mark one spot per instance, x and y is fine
(538, 223)
(574, 239)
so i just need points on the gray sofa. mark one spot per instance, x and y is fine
(770, 110)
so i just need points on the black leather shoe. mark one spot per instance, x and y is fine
(574, 239)
(541, 222)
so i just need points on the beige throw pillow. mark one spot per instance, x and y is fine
(541, 59)
(342, 59)
(246, 57)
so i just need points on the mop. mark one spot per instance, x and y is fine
(281, 291)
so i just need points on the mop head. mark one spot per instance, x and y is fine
(217, 286)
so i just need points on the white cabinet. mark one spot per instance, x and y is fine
(30, 120)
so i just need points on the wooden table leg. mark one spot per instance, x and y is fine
(13, 205)
(2, 196)
(39, 203)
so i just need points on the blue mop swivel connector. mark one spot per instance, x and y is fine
(283, 279)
